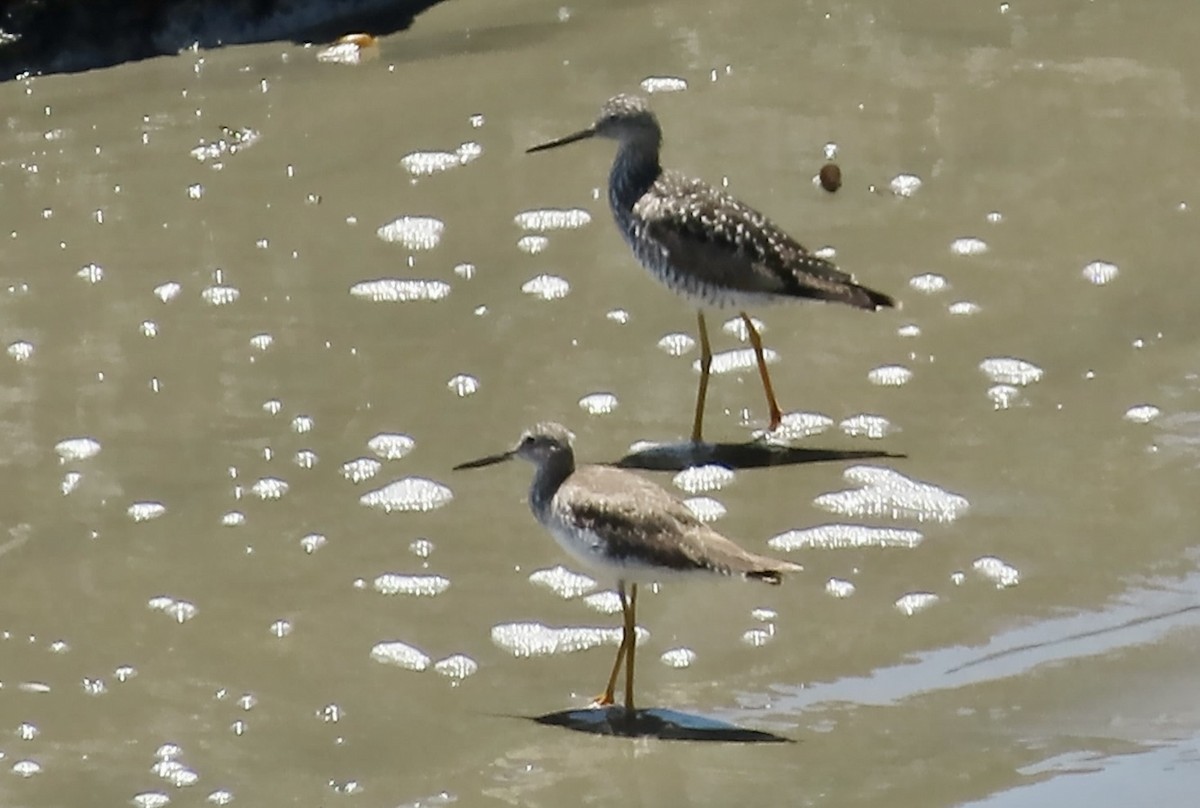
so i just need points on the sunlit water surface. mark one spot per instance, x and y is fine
(256, 304)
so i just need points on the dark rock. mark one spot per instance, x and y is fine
(53, 36)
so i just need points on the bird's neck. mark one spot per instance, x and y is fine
(550, 475)
(634, 170)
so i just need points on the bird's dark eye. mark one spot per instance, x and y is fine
(527, 441)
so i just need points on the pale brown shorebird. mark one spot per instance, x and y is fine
(624, 528)
(705, 244)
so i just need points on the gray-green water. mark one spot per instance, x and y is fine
(1075, 123)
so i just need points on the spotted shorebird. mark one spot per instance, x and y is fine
(705, 244)
(624, 528)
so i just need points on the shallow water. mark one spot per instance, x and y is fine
(246, 342)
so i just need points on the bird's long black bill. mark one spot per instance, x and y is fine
(490, 460)
(582, 134)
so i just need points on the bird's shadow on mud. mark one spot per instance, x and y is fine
(749, 455)
(660, 723)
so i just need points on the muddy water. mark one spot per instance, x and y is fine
(206, 397)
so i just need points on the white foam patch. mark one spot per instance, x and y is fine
(890, 376)
(313, 542)
(968, 245)
(77, 448)
(537, 639)
(867, 425)
(166, 292)
(532, 245)
(70, 482)
(664, 84)
(839, 588)
(427, 586)
(180, 611)
(1100, 272)
(885, 492)
(414, 232)
(677, 344)
(678, 657)
(737, 360)
(175, 773)
(905, 185)
(21, 351)
(546, 287)
(758, 637)
(796, 425)
(562, 582)
(706, 509)
(360, 469)
(736, 326)
(269, 488)
(552, 219)
(606, 602)
(92, 273)
(456, 666)
(598, 403)
(408, 494)
(1004, 396)
(1142, 413)
(391, 445)
(915, 602)
(145, 511)
(463, 385)
(1010, 370)
(401, 655)
(999, 572)
(930, 283)
(841, 535)
(696, 479)
(424, 163)
(400, 290)
(763, 614)
(220, 295)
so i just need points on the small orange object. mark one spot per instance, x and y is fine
(831, 177)
(362, 40)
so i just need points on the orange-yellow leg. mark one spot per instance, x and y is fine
(630, 637)
(756, 341)
(606, 698)
(705, 366)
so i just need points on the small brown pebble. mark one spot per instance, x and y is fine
(831, 177)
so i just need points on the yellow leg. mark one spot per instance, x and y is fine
(756, 341)
(606, 698)
(631, 634)
(705, 366)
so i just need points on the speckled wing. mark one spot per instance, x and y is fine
(641, 524)
(723, 242)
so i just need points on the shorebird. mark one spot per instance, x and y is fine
(705, 244)
(623, 528)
